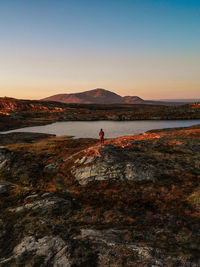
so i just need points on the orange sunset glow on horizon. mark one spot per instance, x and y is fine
(148, 50)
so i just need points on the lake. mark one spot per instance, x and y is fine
(112, 129)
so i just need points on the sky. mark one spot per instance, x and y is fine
(148, 48)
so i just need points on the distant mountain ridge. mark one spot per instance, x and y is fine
(96, 96)
(188, 100)
(102, 96)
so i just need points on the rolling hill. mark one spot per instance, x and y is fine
(102, 96)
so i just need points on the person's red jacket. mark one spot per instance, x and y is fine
(101, 134)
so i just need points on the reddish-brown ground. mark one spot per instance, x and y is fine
(162, 213)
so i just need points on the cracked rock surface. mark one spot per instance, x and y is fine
(70, 202)
(51, 249)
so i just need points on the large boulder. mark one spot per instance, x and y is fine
(114, 163)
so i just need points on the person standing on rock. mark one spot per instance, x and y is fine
(101, 135)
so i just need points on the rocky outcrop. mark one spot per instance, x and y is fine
(109, 166)
(47, 251)
(132, 202)
(10, 105)
(45, 206)
(110, 242)
(4, 156)
(6, 187)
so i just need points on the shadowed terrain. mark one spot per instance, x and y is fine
(71, 202)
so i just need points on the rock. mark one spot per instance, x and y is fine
(2, 230)
(80, 161)
(45, 206)
(47, 194)
(31, 197)
(114, 164)
(3, 156)
(5, 187)
(51, 250)
(113, 117)
(52, 167)
(111, 248)
(143, 212)
(85, 160)
(110, 237)
(139, 173)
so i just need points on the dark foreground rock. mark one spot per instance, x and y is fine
(70, 202)
(5, 187)
(46, 251)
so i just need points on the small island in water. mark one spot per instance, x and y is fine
(133, 201)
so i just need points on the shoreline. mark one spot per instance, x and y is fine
(17, 113)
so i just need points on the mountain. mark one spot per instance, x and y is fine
(133, 100)
(102, 96)
(96, 96)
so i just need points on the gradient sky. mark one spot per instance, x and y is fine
(149, 48)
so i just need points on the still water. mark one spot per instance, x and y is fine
(82, 129)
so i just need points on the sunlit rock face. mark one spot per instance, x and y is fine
(10, 105)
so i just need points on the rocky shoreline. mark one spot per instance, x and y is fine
(16, 113)
(71, 202)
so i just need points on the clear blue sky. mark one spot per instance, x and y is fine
(147, 48)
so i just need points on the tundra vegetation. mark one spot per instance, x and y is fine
(70, 202)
